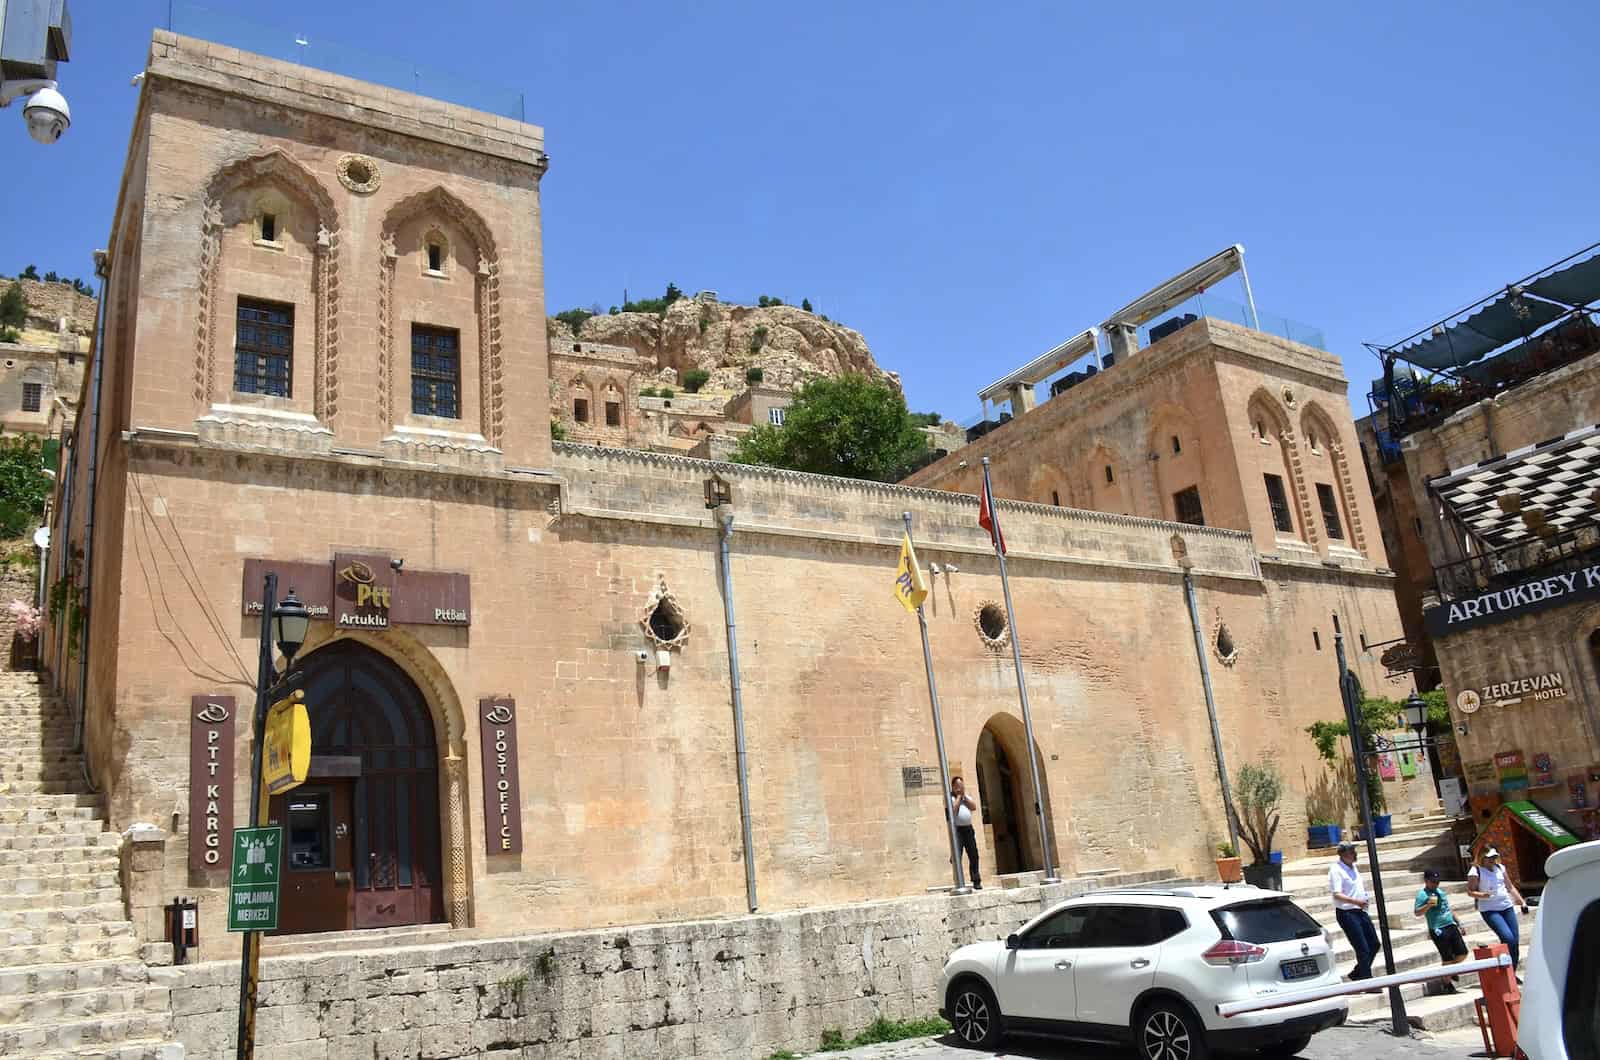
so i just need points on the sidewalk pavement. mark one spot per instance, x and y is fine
(1340, 1043)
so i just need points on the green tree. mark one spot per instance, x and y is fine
(805, 304)
(30, 273)
(574, 318)
(926, 419)
(694, 379)
(754, 374)
(1378, 715)
(13, 307)
(852, 426)
(23, 485)
(1257, 791)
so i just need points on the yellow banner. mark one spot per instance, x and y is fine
(910, 587)
(286, 752)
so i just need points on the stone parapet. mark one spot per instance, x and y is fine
(741, 987)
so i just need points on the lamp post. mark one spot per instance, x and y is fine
(1416, 715)
(285, 624)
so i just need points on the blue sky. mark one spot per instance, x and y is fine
(967, 186)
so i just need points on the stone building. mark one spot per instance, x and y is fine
(325, 355)
(1493, 454)
(41, 374)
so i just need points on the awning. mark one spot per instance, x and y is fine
(1506, 319)
(1575, 285)
(1558, 478)
(1542, 824)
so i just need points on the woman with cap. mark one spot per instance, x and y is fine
(1434, 904)
(1490, 886)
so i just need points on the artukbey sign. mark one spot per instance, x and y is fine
(1503, 605)
(365, 591)
(211, 720)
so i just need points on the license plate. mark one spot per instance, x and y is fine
(1305, 968)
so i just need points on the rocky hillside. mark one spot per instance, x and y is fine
(789, 345)
(48, 305)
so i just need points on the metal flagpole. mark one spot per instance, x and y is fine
(1398, 1023)
(938, 738)
(1039, 809)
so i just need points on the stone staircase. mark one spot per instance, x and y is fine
(72, 983)
(1414, 846)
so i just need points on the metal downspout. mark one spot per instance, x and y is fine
(103, 270)
(1211, 711)
(62, 539)
(725, 519)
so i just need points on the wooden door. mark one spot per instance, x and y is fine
(317, 820)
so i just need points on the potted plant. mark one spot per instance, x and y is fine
(1323, 833)
(1257, 791)
(1228, 867)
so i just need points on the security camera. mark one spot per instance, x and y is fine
(951, 568)
(397, 562)
(642, 656)
(47, 115)
(933, 568)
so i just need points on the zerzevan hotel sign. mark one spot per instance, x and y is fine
(1505, 604)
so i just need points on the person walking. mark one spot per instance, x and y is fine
(1350, 903)
(1443, 928)
(962, 806)
(1490, 886)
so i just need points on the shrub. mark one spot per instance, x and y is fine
(30, 273)
(694, 379)
(574, 318)
(13, 306)
(666, 392)
(648, 391)
(758, 338)
(558, 433)
(23, 484)
(754, 374)
(805, 304)
(9, 334)
(27, 618)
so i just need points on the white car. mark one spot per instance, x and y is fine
(1149, 968)
(1561, 993)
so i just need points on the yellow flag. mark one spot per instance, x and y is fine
(910, 587)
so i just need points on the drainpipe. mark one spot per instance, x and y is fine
(62, 539)
(102, 268)
(1211, 707)
(725, 518)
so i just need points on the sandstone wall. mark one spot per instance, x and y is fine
(48, 303)
(728, 989)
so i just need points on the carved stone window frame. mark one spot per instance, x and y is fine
(991, 606)
(662, 596)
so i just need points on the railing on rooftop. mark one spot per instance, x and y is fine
(1185, 313)
(221, 26)
(1511, 565)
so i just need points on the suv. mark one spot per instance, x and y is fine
(1561, 1001)
(1148, 968)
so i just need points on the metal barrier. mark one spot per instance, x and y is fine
(1361, 986)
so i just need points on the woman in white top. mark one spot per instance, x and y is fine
(1490, 885)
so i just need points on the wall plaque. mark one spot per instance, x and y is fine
(210, 782)
(502, 795)
(364, 591)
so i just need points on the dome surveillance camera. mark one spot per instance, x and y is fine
(47, 115)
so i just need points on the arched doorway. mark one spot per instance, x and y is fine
(1005, 796)
(362, 833)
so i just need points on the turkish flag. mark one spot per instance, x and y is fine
(987, 520)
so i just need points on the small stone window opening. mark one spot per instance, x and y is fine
(613, 414)
(435, 258)
(269, 228)
(1227, 650)
(358, 171)
(580, 410)
(1177, 446)
(992, 626)
(1055, 498)
(1261, 432)
(1109, 476)
(663, 620)
(1330, 511)
(1316, 639)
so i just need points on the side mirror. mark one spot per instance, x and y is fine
(1013, 941)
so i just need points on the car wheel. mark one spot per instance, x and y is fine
(1284, 1050)
(1167, 1030)
(974, 1015)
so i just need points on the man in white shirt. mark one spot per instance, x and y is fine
(962, 806)
(1350, 903)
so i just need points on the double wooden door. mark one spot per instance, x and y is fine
(362, 834)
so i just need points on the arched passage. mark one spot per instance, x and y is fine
(362, 835)
(1005, 796)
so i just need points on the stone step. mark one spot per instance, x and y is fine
(320, 943)
(35, 801)
(1418, 857)
(40, 787)
(62, 933)
(146, 1049)
(56, 1007)
(26, 877)
(1438, 1012)
(123, 947)
(31, 1039)
(64, 841)
(91, 975)
(50, 812)
(59, 899)
(59, 826)
(36, 919)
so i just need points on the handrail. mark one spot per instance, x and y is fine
(1509, 565)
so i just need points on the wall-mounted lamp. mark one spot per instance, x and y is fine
(718, 492)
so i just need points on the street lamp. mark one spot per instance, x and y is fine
(1415, 711)
(290, 621)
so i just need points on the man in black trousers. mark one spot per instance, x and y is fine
(964, 806)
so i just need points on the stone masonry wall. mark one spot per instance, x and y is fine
(736, 988)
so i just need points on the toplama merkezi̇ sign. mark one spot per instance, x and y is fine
(1503, 605)
(253, 881)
